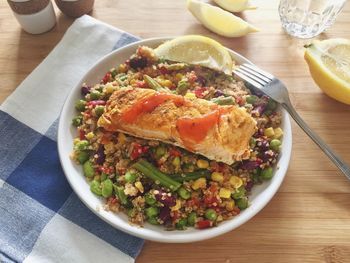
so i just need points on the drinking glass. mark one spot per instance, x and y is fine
(308, 18)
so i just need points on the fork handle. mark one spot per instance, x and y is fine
(324, 147)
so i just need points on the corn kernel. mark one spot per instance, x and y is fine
(219, 218)
(121, 138)
(177, 206)
(76, 140)
(199, 183)
(230, 205)
(190, 95)
(133, 81)
(217, 177)
(109, 88)
(224, 193)
(139, 186)
(122, 68)
(236, 181)
(166, 83)
(179, 76)
(269, 132)
(90, 135)
(203, 164)
(278, 133)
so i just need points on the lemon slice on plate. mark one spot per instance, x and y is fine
(198, 50)
(218, 20)
(329, 65)
(234, 5)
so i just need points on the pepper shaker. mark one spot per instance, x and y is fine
(34, 16)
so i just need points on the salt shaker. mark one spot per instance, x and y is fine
(35, 16)
(75, 8)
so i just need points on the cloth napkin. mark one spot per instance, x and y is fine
(41, 219)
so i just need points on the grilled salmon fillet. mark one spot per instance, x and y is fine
(220, 133)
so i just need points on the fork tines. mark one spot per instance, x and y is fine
(253, 75)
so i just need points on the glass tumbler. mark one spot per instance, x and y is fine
(308, 18)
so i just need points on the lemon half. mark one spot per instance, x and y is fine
(329, 65)
(218, 20)
(198, 50)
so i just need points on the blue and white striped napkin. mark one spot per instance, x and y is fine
(41, 219)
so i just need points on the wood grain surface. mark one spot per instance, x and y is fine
(308, 220)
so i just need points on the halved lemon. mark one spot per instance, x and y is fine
(198, 50)
(234, 5)
(329, 65)
(218, 20)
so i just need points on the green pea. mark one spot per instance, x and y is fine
(275, 144)
(153, 220)
(271, 105)
(77, 121)
(252, 142)
(99, 110)
(251, 99)
(183, 193)
(131, 212)
(149, 199)
(80, 105)
(239, 193)
(160, 151)
(151, 211)
(267, 173)
(104, 176)
(107, 188)
(176, 161)
(242, 203)
(192, 219)
(130, 177)
(95, 95)
(95, 187)
(81, 145)
(82, 156)
(181, 224)
(88, 169)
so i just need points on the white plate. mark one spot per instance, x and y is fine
(261, 194)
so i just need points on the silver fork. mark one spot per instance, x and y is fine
(275, 89)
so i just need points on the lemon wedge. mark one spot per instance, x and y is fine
(329, 65)
(234, 5)
(218, 20)
(198, 50)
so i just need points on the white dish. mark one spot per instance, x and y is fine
(261, 194)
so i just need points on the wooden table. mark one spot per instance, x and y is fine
(308, 220)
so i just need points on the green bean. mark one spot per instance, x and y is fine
(251, 99)
(76, 121)
(153, 220)
(95, 187)
(181, 224)
(275, 144)
(210, 214)
(120, 194)
(239, 193)
(99, 110)
(80, 105)
(192, 219)
(271, 104)
(182, 87)
(242, 203)
(224, 101)
(130, 177)
(157, 176)
(267, 173)
(82, 156)
(191, 176)
(107, 188)
(183, 193)
(95, 95)
(149, 199)
(81, 145)
(88, 169)
(152, 83)
(151, 211)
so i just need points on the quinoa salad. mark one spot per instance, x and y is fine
(159, 183)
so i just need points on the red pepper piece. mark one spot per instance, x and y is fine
(204, 224)
(82, 135)
(106, 78)
(138, 150)
(174, 152)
